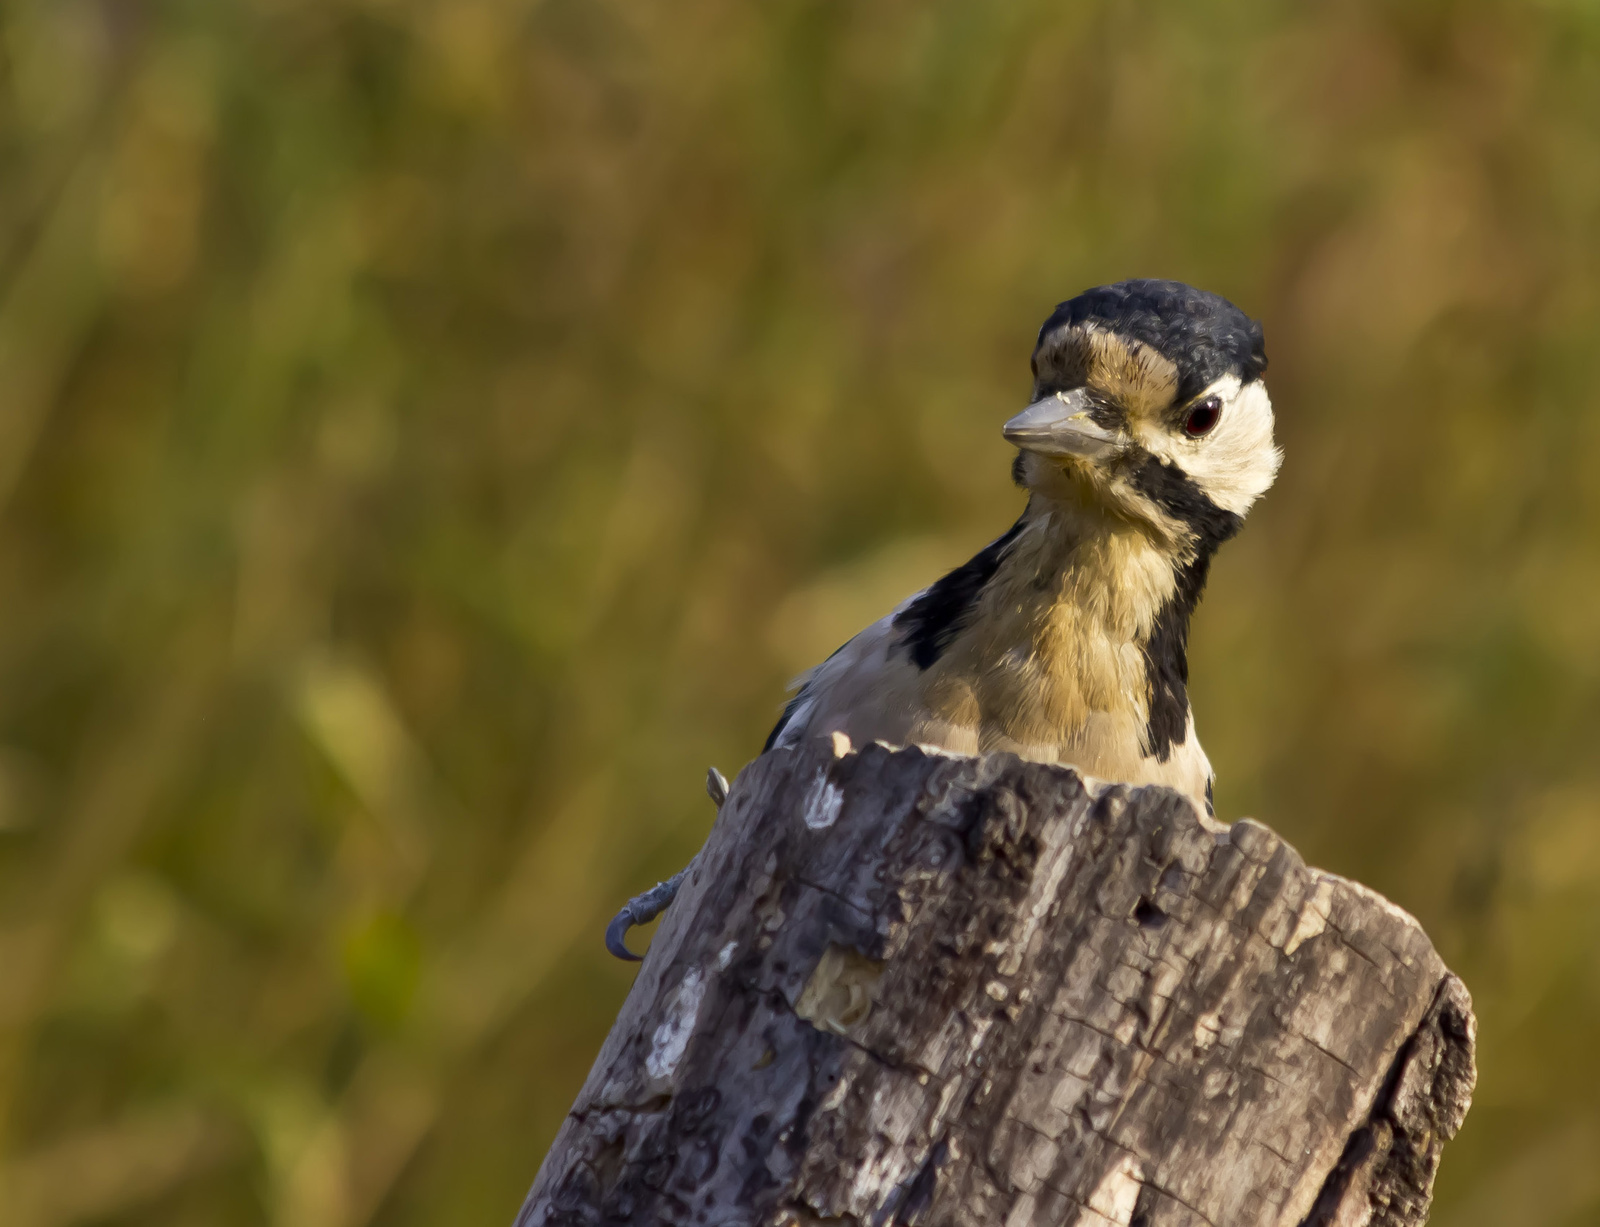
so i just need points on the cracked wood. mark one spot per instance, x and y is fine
(985, 993)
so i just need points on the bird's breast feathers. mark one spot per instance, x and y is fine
(1035, 650)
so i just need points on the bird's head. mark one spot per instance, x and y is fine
(1148, 400)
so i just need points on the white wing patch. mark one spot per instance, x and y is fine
(793, 730)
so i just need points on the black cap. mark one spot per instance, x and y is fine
(1203, 334)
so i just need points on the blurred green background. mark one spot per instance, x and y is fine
(432, 431)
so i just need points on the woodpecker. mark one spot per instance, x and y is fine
(1146, 440)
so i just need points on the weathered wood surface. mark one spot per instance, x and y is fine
(901, 988)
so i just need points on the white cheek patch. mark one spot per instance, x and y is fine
(1236, 462)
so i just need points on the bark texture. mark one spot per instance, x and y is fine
(901, 988)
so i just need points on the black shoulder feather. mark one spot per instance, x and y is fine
(789, 709)
(932, 621)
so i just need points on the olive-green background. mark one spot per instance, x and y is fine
(432, 431)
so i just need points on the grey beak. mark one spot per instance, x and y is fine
(1060, 425)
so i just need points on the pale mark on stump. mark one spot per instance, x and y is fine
(1021, 1210)
(839, 993)
(1313, 917)
(824, 804)
(1042, 897)
(1116, 1195)
(671, 1038)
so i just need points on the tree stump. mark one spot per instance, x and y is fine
(906, 988)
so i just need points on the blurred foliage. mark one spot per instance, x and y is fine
(432, 431)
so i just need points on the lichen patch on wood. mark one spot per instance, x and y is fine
(671, 1035)
(838, 995)
(983, 993)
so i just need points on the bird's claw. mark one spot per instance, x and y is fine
(716, 786)
(642, 909)
(617, 937)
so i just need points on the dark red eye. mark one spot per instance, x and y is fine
(1202, 417)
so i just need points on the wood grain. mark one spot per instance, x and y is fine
(903, 988)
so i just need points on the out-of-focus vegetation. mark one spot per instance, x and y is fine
(432, 431)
